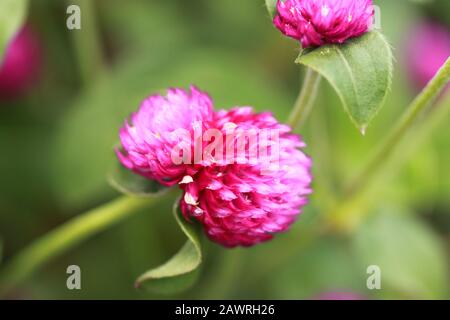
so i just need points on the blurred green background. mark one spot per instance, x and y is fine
(56, 148)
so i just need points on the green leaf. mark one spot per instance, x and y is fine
(409, 254)
(127, 182)
(271, 7)
(181, 271)
(12, 15)
(360, 71)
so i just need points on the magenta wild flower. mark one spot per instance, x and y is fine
(252, 184)
(318, 22)
(21, 63)
(245, 204)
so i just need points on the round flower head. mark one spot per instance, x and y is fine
(318, 22)
(20, 64)
(157, 128)
(427, 50)
(260, 187)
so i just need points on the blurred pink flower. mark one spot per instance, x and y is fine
(427, 49)
(245, 204)
(21, 63)
(318, 22)
(147, 142)
(340, 296)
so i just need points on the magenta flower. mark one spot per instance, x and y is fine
(427, 49)
(250, 185)
(21, 64)
(318, 22)
(242, 204)
(340, 296)
(147, 142)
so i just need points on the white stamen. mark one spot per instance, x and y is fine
(189, 199)
(186, 180)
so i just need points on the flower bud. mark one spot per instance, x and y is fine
(318, 22)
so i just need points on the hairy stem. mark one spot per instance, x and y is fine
(305, 100)
(428, 95)
(348, 213)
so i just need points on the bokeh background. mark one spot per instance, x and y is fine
(56, 149)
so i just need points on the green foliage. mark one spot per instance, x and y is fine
(12, 15)
(325, 266)
(129, 183)
(81, 163)
(360, 71)
(1, 250)
(181, 271)
(61, 136)
(410, 256)
(271, 7)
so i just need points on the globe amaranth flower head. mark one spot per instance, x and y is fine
(428, 48)
(250, 185)
(243, 203)
(148, 141)
(21, 63)
(318, 22)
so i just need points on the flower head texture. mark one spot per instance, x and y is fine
(427, 49)
(20, 64)
(318, 22)
(148, 141)
(240, 202)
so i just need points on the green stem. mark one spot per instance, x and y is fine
(87, 43)
(66, 237)
(429, 94)
(352, 211)
(305, 99)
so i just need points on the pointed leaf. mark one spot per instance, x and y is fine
(271, 7)
(12, 15)
(181, 271)
(127, 182)
(360, 71)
